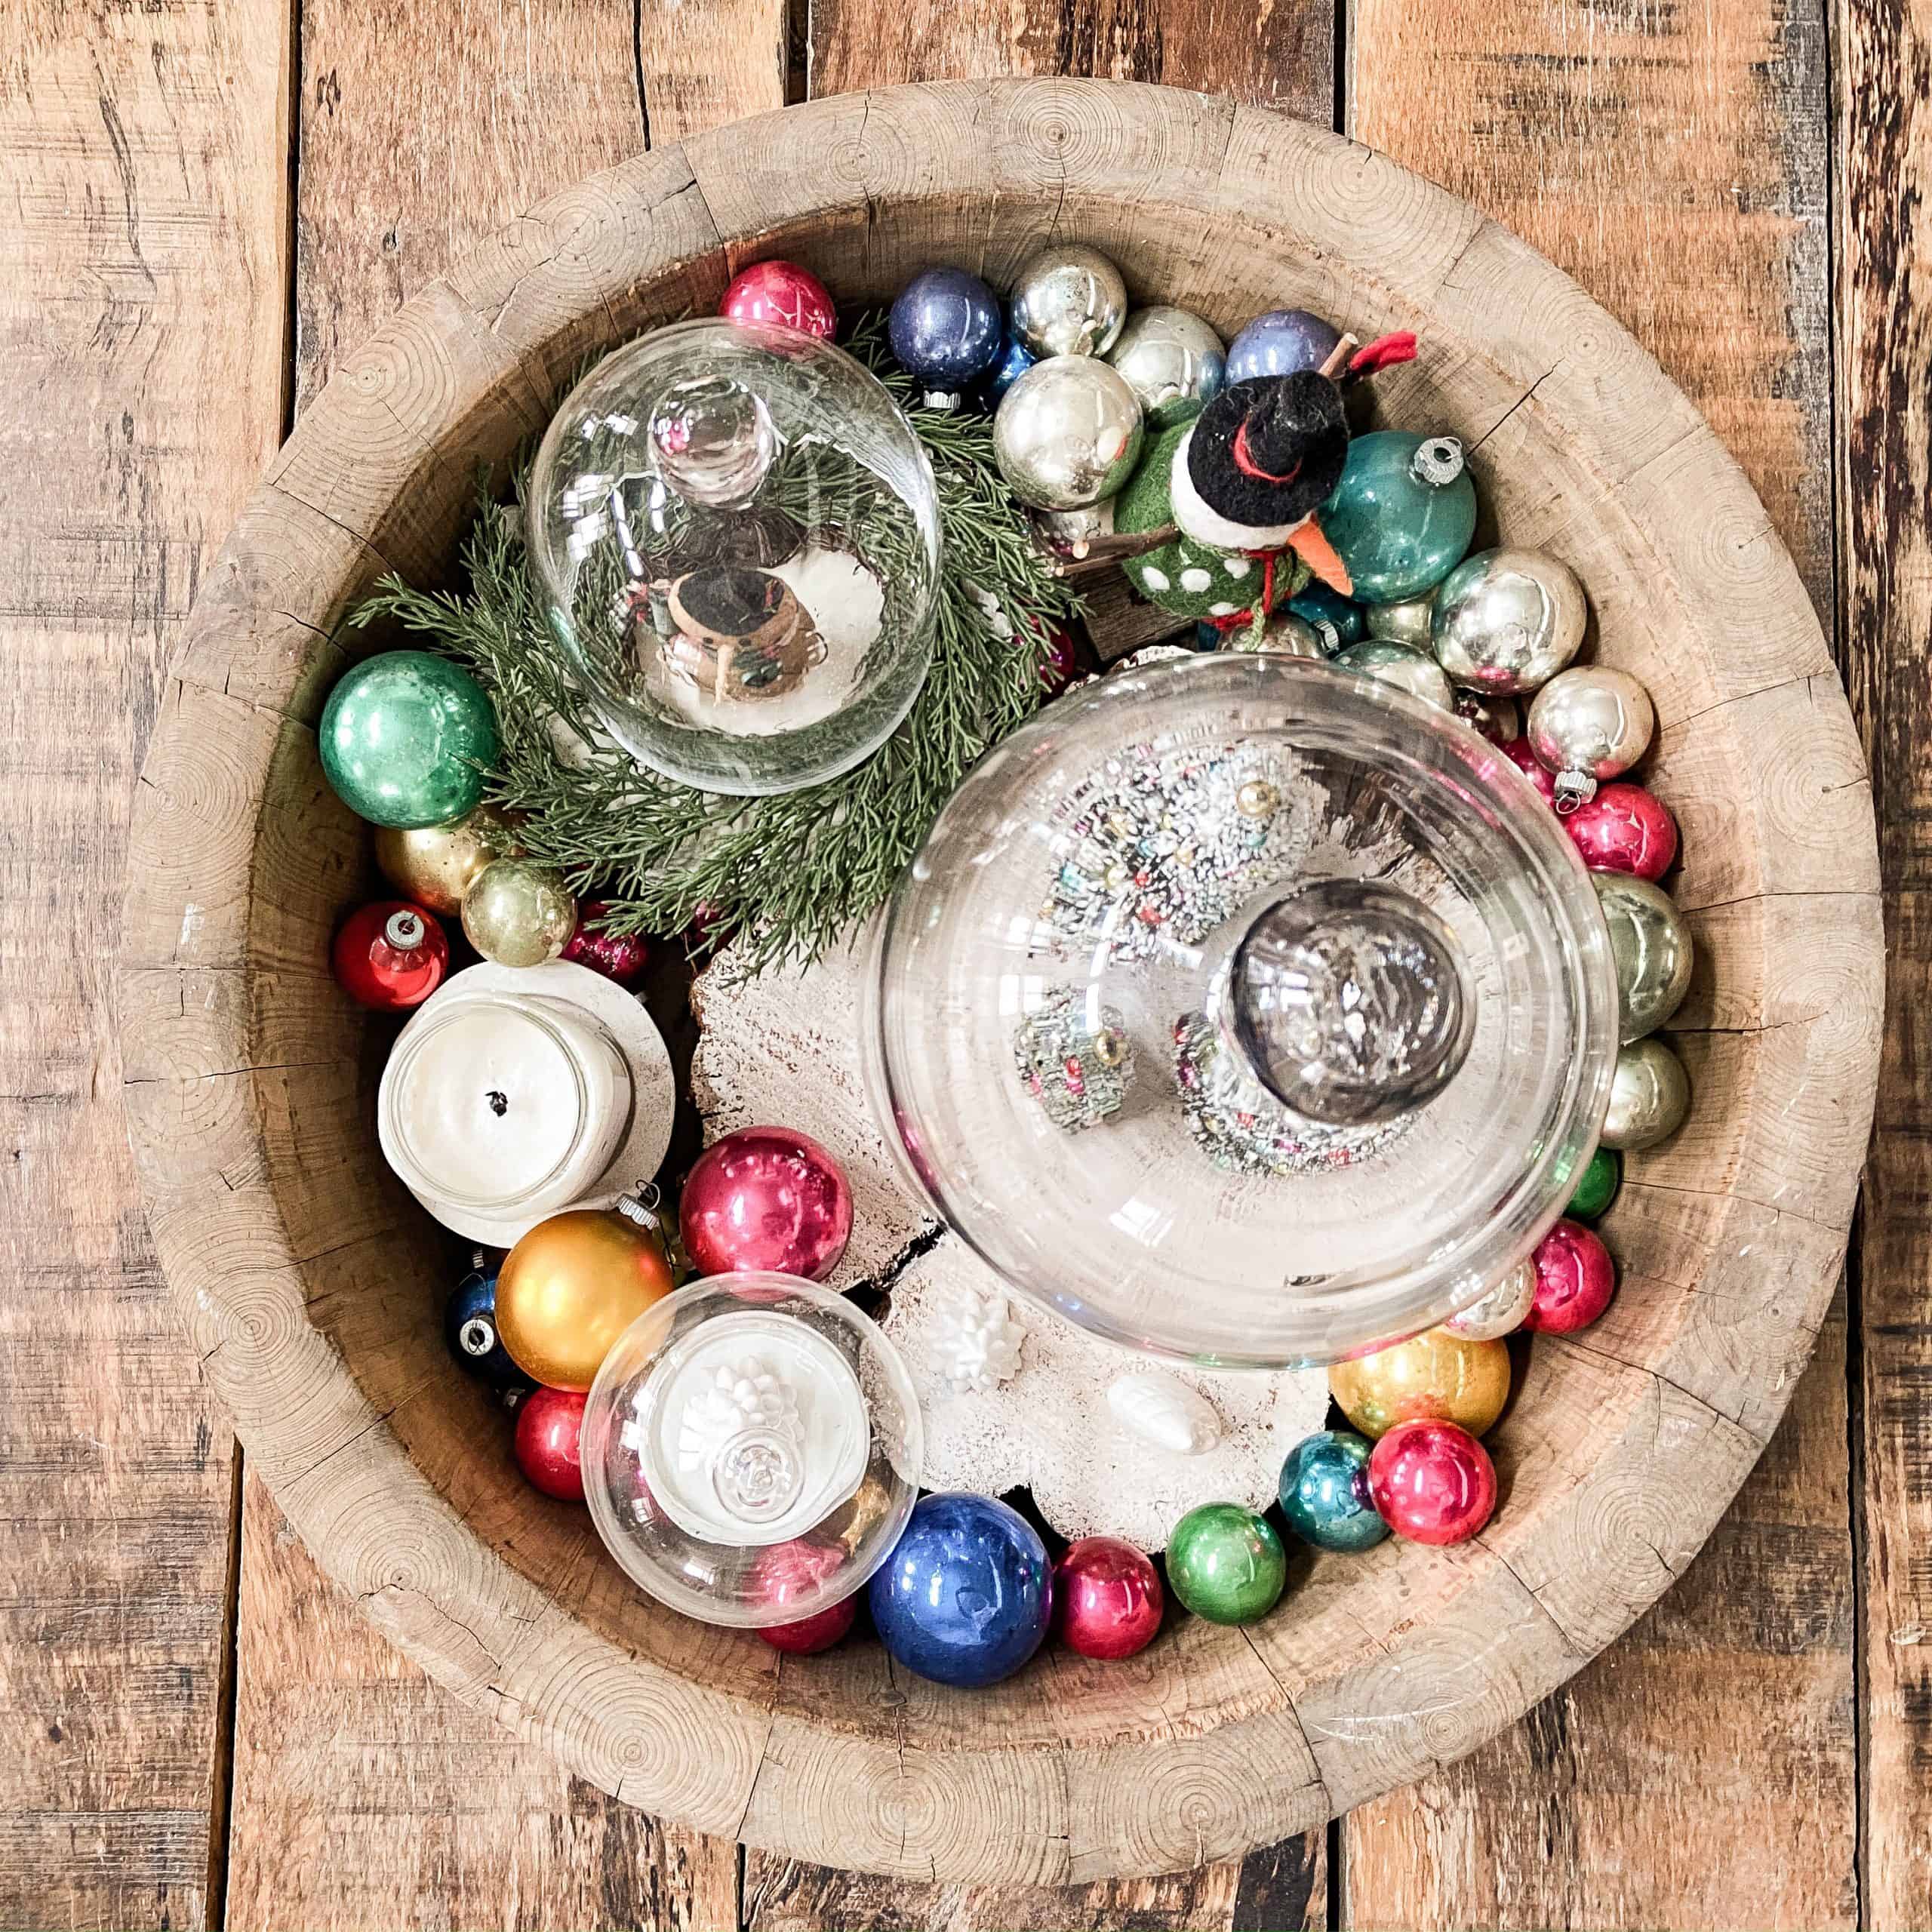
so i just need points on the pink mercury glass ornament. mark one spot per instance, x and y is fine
(784, 294)
(1517, 751)
(1575, 1280)
(1061, 665)
(789, 1570)
(1625, 829)
(1107, 1598)
(619, 956)
(1431, 1482)
(767, 1199)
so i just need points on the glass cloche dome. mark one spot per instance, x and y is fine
(737, 532)
(1244, 1011)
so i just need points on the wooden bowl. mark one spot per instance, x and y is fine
(313, 1287)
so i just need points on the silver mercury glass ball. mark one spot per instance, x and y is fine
(1283, 635)
(1651, 947)
(1501, 1311)
(1349, 1002)
(1396, 664)
(1587, 724)
(714, 440)
(1507, 620)
(1499, 719)
(1406, 622)
(1169, 357)
(1067, 434)
(1067, 299)
(1649, 1094)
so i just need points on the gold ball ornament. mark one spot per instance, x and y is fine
(1432, 1376)
(436, 865)
(517, 914)
(571, 1286)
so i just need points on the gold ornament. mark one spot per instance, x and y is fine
(436, 865)
(518, 914)
(1434, 1375)
(852, 1522)
(571, 1286)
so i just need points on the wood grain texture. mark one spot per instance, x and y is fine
(142, 277)
(1684, 186)
(1883, 122)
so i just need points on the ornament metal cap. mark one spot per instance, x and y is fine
(1438, 462)
(404, 929)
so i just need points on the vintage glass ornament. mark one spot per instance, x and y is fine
(1596, 1188)
(1589, 723)
(1170, 358)
(1067, 299)
(1432, 1374)
(1144, 847)
(1329, 610)
(1651, 949)
(751, 1450)
(1517, 751)
(1406, 622)
(572, 1284)
(1498, 718)
(436, 865)
(390, 955)
(766, 1198)
(1402, 515)
(620, 956)
(470, 1329)
(1649, 1094)
(966, 1596)
(1324, 1492)
(1015, 359)
(550, 1427)
(946, 333)
(780, 294)
(1059, 663)
(1624, 828)
(1500, 1312)
(1067, 433)
(736, 532)
(1411, 671)
(1226, 1565)
(788, 1573)
(1576, 1279)
(1432, 1482)
(1282, 634)
(518, 914)
(405, 739)
(1107, 1598)
(1279, 342)
(1507, 620)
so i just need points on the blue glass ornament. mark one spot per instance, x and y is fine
(1329, 610)
(1324, 1492)
(965, 1595)
(1280, 343)
(945, 329)
(1015, 359)
(1402, 515)
(469, 1327)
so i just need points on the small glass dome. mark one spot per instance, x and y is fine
(737, 532)
(751, 1449)
(1244, 1011)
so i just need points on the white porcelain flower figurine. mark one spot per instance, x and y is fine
(746, 1395)
(978, 1343)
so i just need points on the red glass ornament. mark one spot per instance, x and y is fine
(549, 1428)
(780, 292)
(390, 955)
(790, 1570)
(1517, 751)
(1575, 1280)
(1431, 1482)
(619, 956)
(1061, 664)
(1625, 829)
(766, 1198)
(1107, 1597)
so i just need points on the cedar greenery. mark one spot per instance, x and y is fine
(781, 875)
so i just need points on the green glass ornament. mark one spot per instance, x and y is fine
(1225, 1564)
(1597, 1187)
(403, 736)
(1402, 515)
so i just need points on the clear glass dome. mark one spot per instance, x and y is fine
(737, 532)
(1244, 1011)
(751, 1449)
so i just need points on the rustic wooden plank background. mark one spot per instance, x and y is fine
(210, 200)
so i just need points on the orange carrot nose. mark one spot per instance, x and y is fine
(1318, 554)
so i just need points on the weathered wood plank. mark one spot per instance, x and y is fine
(1672, 160)
(142, 277)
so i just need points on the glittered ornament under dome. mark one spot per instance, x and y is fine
(406, 739)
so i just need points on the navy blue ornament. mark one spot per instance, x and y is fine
(1280, 343)
(469, 1327)
(946, 330)
(965, 1596)
(1015, 359)
(1324, 1492)
(1328, 610)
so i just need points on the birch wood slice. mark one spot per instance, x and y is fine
(314, 1288)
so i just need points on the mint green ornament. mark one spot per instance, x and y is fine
(1402, 515)
(1226, 1565)
(403, 738)
(1182, 576)
(1597, 1187)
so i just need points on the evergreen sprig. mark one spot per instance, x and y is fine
(782, 875)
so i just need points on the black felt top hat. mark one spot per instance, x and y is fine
(1266, 452)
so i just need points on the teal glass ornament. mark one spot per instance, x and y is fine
(1327, 610)
(405, 738)
(1226, 1565)
(1324, 1492)
(1402, 516)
